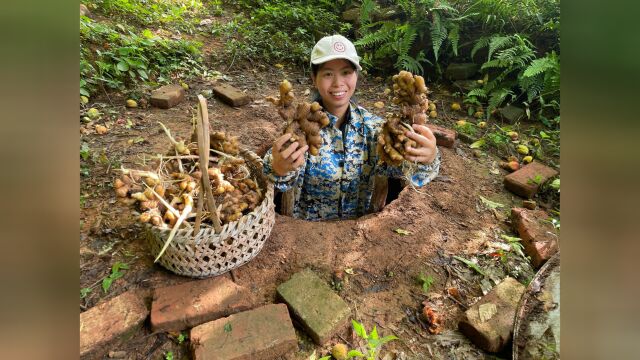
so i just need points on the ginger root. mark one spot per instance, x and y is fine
(304, 120)
(410, 94)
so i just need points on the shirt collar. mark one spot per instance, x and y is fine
(354, 120)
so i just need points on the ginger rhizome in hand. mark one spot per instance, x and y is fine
(410, 94)
(304, 120)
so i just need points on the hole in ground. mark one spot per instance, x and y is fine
(394, 188)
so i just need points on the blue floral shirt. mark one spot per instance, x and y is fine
(338, 182)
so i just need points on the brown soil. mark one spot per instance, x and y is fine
(444, 219)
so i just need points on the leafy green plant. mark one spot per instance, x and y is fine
(116, 57)
(374, 342)
(168, 355)
(403, 42)
(515, 243)
(115, 274)
(277, 31)
(425, 282)
(84, 292)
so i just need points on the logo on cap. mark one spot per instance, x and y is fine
(338, 46)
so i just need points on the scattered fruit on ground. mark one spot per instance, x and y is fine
(84, 99)
(184, 85)
(527, 159)
(100, 129)
(432, 107)
(93, 113)
(480, 81)
(535, 141)
(132, 103)
(433, 114)
(378, 104)
(482, 124)
(477, 153)
(86, 119)
(340, 351)
(513, 135)
(387, 91)
(478, 114)
(461, 122)
(455, 106)
(522, 149)
(511, 165)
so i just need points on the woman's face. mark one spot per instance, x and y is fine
(336, 82)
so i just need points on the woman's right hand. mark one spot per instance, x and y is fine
(288, 159)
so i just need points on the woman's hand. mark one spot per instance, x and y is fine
(288, 159)
(426, 151)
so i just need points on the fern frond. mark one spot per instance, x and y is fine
(497, 97)
(538, 66)
(367, 7)
(477, 93)
(408, 63)
(481, 43)
(383, 34)
(438, 34)
(498, 42)
(454, 38)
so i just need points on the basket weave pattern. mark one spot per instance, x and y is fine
(209, 254)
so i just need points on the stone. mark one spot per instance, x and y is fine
(461, 71)
(444, 137)
(511, 114)
(178, 307)
(527, 181)
(539, 236)
(263, 333)
(230, 95)
(167, 96)
(466, 85)
(352, 15)
(319, 310)
(84, 11)
(489, 322)
(111, 320)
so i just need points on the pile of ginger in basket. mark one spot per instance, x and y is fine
(161, 196)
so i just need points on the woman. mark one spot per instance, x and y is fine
(338, 182)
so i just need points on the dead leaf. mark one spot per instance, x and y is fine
(349, 271)
(402, 231)
(490, 204)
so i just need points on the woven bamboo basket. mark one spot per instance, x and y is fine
(208, 254)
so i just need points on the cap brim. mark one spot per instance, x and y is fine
(324, 59)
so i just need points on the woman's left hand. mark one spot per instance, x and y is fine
(425, 152)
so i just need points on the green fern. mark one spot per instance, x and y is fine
(454, 38)
(438, 34)
(480, 43)
(481, 93)
(367, 7)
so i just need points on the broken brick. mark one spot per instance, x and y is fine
(263, 333)
(230, 95)
(178, 307)
(526, 181)
(444, 137)
(539, 236)
(167, 96)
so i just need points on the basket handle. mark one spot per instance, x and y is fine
(202, 128)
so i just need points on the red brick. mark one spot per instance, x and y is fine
(259, 334)
(444, 137)
(494, 333)
(167, 96)
(111, 320)
(523, 183)
(178, 307)
(230, 95)
(539, 237)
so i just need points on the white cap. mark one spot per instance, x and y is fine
(335, 47)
